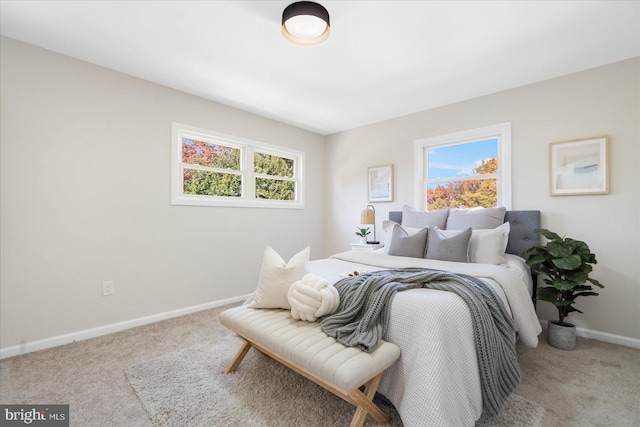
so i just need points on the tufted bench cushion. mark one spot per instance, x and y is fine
(304, 347)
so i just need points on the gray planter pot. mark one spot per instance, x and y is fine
(561, 336)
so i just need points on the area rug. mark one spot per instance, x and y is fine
(187, 388)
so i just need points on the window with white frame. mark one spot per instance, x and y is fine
(213, 169)
(464, 169)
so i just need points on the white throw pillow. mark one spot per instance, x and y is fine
(488, 246)
(277, 276)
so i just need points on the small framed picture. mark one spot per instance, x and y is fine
(380, 180)
(579, 167)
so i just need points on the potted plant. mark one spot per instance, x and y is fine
(363, 233)
(566, 263)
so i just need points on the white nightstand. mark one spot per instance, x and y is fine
(365, 247)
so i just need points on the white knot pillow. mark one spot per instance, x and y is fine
(312, 297)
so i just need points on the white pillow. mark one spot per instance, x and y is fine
(276, 277)
(486, 246)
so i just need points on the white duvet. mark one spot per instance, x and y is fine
(436, 380)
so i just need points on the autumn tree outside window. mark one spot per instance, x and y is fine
(464, 169)
(213, 169)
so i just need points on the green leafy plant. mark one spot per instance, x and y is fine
(363, 232)
(566, 263)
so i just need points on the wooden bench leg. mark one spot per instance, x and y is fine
(365, 403)
(238, 358)
(363, 400)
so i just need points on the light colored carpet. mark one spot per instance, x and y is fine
(187, 388)
(596, 385)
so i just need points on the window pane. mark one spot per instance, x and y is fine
(462, 194)
(275, 189)
(468, 159)
(273, 165)
(209, 154)
(205, 183)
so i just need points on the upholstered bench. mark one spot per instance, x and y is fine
(305, 348)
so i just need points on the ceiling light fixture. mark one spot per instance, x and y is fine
(305, 23)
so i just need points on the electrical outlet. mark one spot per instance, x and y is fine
(107, 288)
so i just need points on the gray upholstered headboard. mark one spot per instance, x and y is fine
(522, 224)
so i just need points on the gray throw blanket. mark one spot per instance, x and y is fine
(365, 306)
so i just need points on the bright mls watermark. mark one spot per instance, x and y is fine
(34, 415)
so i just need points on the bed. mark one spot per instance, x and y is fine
(436, 381)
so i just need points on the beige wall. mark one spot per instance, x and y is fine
(85, 198)
(85, 191)
(601, 101)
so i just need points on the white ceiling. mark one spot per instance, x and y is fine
(383, 59)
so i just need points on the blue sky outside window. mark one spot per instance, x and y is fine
(459, 160)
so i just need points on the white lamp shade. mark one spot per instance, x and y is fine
(305, 26)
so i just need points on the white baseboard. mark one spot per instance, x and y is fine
(603, 336)
(108, 329)
(116, 327)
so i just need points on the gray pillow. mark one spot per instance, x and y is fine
(476, 218)
(403, 244)
(421, 219)
(452, 248)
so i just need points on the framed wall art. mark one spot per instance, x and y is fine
(579, 167)
(380, 180)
